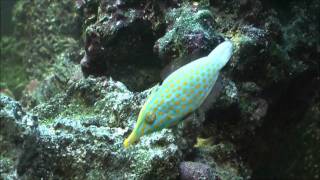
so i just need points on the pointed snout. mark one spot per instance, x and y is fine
(227, 45)
(222, 54)
(130, 140)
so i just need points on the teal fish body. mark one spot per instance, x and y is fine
(181, 93)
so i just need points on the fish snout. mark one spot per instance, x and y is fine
(130, 140)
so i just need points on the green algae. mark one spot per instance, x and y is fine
(47, 36)
(40, 40)
(13, 76)
(184, 22)
(76, 109)
(68, 107)
(46, 121)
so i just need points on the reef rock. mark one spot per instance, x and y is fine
(68, 126)
(54, 141)
(193, 171)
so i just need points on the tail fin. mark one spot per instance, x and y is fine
(221, 54)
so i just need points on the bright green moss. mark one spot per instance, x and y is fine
(46, 121)
(76, 109)
(49, 28)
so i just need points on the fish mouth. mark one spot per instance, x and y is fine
(130, 140)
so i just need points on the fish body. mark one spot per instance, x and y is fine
(181, 93)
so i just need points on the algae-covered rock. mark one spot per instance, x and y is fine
(193, 170)
(223, 158)
(60, 73)
(13, 75)
(120, 42)
(70, 143)
(18, 129)
(43, 32)
(128, 38)
(190, 34)
(49, 27)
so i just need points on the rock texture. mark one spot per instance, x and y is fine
(193, 171)
(54, 141)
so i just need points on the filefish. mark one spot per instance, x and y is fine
(181, 93)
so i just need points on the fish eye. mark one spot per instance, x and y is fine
(150, 117)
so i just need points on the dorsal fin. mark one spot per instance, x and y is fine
(177, 63)
(221, 55)
(172, 66)
(153, 92)
(168, 69)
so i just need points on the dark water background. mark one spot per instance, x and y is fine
(6, 16)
